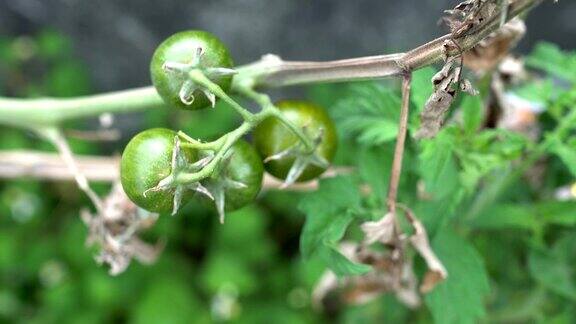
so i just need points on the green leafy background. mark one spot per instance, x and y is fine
(508, 246)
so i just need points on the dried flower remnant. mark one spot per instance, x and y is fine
(114, 231)
(392, 267)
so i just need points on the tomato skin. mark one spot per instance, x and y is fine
(180, 48)
(244, 166)
(272, 137)
(146, 160)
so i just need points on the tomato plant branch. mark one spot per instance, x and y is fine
(225, 142)
(271, 71)
(34, 113)
(228, 140)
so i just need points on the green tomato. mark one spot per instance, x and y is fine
(272, 137)
(239, 179)
(199, 48)
(146, 160)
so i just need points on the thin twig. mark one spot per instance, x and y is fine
(100, 135)
(54, 136)
(399, 149)
(50, 166)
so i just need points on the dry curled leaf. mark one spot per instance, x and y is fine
(432, 117)
(437, 105)
(446, 83)
(390, 275)
(379, 231)
(392, 267)
(436, 271)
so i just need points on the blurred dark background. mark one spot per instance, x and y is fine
(116, 39)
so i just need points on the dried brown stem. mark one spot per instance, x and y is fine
(50, 166)
(274, 72)
(399, 149)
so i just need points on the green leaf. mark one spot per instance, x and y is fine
(328, 214)
(369, 113)
(374, 165)
(437, 165)
(341, 265)
(537, 91)
(420, 90)
(226, 268)
(169, 299)
(566, 153)
(472, 113)
(557, 212)
(508, 216)
(421, 87)
(485, 152)
(459, 299)
(53, 45)
(554, 268)
(67, 79)
(551, 59)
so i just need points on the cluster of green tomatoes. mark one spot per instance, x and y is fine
(162, 169)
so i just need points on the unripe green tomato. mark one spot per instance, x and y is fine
(244, 166)
(272, 137)
(181, 48)
(146, 160)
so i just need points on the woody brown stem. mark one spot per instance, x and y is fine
(399, 149)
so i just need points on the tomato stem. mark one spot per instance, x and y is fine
(198, 77)
(225, 142)
(196, 144)
(267, 105)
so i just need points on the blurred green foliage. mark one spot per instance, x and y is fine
(508, 246)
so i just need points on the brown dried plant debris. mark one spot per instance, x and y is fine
(469, 15)
(446, 83)
(115, 230)
(483, 58)
(488, 53)
(515, 113)
(392, 267)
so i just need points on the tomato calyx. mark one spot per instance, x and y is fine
(179, 164)
(189, 86)
(303, 157)
(219, 183)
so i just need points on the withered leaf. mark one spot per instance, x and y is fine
(432, 117)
